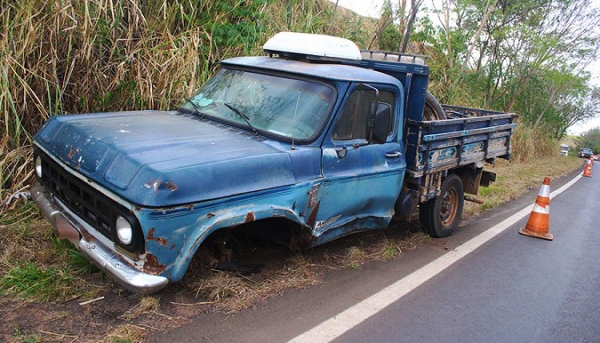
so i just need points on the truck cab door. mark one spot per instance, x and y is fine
(362, 180)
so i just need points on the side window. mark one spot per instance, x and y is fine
(353, 119)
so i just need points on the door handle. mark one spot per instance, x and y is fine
(341, 152)
(393, 154)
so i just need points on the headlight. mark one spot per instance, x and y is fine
(124, 231)
(38, 167)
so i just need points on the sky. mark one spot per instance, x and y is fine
(372, 8)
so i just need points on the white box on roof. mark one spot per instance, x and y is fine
(309, 44)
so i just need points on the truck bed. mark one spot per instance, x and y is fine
(473, 135)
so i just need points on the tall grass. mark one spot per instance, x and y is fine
(64, 56)
(529, 143)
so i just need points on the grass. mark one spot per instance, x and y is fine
(127, 334)
(232, 292)
(34, 264)
(35, 282)
(25, 338)
(515, 179)
(147, 304)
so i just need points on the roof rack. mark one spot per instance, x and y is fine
(388, 56)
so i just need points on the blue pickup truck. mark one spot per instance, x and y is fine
(314, 140)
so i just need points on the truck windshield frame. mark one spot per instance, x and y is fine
(290, 109)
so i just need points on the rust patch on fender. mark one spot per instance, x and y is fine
(249, 217)
(313, 215)
(87, 236)
(160, 240)
(151, 266)
(301, 239)
(172, 186)
(72, 152)
(154, 185)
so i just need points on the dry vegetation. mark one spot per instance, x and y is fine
(515, 179)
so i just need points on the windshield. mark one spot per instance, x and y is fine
(291, 108)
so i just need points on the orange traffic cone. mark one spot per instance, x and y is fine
(539, 219)
(587, 171)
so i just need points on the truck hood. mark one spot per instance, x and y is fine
(158, 159)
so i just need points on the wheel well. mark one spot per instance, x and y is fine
(470, 176)
(225, 244)
(277, 230)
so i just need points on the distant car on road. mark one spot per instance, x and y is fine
(585, 153)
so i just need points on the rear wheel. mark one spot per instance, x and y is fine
(441, 215)
(433, 110)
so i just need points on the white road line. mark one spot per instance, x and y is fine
(336, 326)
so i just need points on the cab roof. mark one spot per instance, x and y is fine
(331, 71)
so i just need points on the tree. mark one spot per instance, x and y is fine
(488, 11)
(590, 139)
(396, 25)
(524, 56)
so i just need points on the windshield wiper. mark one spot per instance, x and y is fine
(242, 115)
(196, 111)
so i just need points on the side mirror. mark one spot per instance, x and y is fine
(380, 122)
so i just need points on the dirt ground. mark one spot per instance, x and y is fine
(112, 314)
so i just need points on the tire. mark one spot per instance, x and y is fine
(433, 110)
(441, 215)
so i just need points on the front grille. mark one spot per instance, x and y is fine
(86, 202)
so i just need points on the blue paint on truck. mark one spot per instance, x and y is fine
(327, 146)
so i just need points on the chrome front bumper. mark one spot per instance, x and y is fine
(95, 251)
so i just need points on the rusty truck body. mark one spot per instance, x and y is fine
(316, 135)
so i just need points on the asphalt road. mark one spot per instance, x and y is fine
(513, 288)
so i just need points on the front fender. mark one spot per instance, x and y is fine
(173, 235)
(227, 218)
